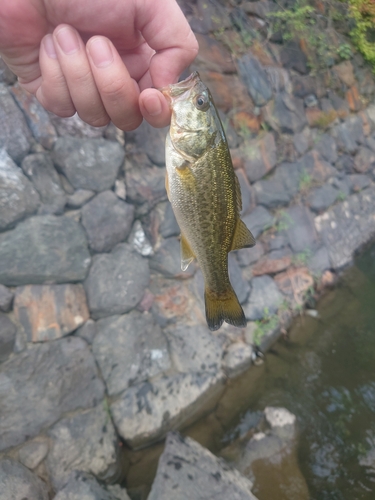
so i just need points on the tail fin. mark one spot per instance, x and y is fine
(224, 307)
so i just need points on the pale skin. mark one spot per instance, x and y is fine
(103, 59)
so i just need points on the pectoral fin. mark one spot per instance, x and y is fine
(242, 237)
(187, 255)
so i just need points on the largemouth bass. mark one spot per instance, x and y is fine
(205, 195)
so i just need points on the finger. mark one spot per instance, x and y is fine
(53, 92)
(118, 91)
(71, 54)
(155, 108)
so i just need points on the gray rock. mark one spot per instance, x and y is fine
(116, 282)
(277, 241)
(345, 163)
(147, 411)
(15, 136)
(83, 486)
(149, 140)
(301, 230)
(241, 285)
(259, 157)
(32, 453)
(85, 442)
(107, 221)
(129, 349)
(248, 256)
(169, 226)
(18, 483)
(364, 160)
(349, 134)
(37, 118)
(79, 198)
(41, 383)
(88, 163)
(319, 261)
(187, 471)
(247, 192)
(18, 197)
(326, 147)
(265, 298)
(259, 220)
(292, 57)
(321, 198)
(44, 248)
(311, 101)
(75, 127)
(237, 359)
(87, 331)
(167, 260)
(302, 141)
(194, 348)
(315, 167)
(41, 172)
(7, 337)
(357, 182)
(255, 79)
(139, 241)
(48, 312)
(347, 226)
(281, 187)
(6, 299)
(286, 114)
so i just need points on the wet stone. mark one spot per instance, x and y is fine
(255, 79)
(258, 220)
(84, 442)
(364, 160)
(265, 298)
(40, 170)
(237, 359)
(259, 157)
(41, 383)
(48, 312)
(32, 453)
(107, 221)
(321, 198)
(167, 260)
(146, 412)
(6, 298)
(18, 197)
(187, 470)
(129, 349)
(327, 148)
(7, 337)
(88, 163)
(15, 136)
(116, 281)
(44, 248)
(79, 198)
(16, 481)
(82, 485)
(301, 229)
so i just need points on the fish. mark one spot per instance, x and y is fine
(205, 195)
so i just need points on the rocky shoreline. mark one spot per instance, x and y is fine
(103, 342)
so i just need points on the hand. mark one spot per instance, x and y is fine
(98, 58)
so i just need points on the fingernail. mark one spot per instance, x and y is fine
(68, 40)
(49, 46)
(152, 105)
(100, 52)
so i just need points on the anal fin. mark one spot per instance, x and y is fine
(242, 237)
(187, 254)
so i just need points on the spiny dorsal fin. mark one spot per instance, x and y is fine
(187, 255)
(242, 237)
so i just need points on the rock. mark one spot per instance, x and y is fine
(213, 56)
(255, 79)
(294, 283)
(339, 105)
(194, 349)
(247, 192)
(210, 17)
(259, 157)
(15, 136)
(186, 470)
(107, 221)
(120, 189)
(277, 241)
(272, 263)
(7, 337)
(237, 359)
(264, 299)
(83, 486)
(285, 114)
(353, 99)
(48, 312)
(85, 442)
(139, 241)
(344, 71)
(87, 331)
(319, 261)
(129, 349)
(41, 172)
(147, 411)
(41, 383)
(292, 57)
(116, 282)
(248, 256)
(321, 198)
(169, 225)
(349, 134)
(75, 127)
(301, 229)
(17, 482)
(260, 8)
(36, 116)
(167, 260)
(258, 220)
(6, 76)
(88, 163)
(79, 198)
(240, 284)
(6, 299)
(357, 182)
(303, 85)
(149, 140)
(345, 163)
(315, 167)
(44, 248)
(18, 197)
(327, 148)
(228, 91)
(32, 453)
(364, 160)
(347, 226)
(279, 79)
(302, 141)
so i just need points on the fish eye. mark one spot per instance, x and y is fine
(202, 102)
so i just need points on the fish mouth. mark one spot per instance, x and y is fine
(178, 89)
